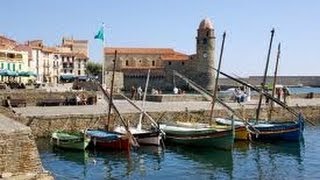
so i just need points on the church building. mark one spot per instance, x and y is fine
(132, 64)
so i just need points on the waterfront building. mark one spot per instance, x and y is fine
(60, 63)
(14, 58)
(133, 63)
(14, 61)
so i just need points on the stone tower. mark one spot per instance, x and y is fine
(205, 57)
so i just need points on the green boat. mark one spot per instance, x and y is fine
(70, 140)
(220, 137)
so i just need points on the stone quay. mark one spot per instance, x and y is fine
(20, 126)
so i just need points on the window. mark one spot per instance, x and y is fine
(153, 63)
(2, 66)
(65, 71)
(14, 67)
(79, 72)
(182, 63)
(19, 66)
(71, 71)
(169, 63)
(79, 65)
(10, 55)
(208, 33)
(205, 41)
(127, 63)
(19, 56)
(8, 66)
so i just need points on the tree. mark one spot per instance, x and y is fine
(93, 68)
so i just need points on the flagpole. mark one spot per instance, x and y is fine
(103, 59)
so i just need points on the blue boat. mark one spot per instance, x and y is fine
(287, 131)
(272, 131)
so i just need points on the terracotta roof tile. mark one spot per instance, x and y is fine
(165, 53)
(111, 50)
(175, 57)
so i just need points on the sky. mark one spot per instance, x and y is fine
(174, 24)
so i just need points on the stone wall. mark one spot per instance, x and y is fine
(43, 126)
(18, 151)
(32, 97)
(285, 80)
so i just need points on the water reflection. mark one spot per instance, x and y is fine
(247, 160)
(265, 160)
(219, 163)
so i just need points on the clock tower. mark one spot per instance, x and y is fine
(205, 55)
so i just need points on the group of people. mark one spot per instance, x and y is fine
(178, 91)
(241, 95)
(137, 93)
(282, 93)
(81, 99)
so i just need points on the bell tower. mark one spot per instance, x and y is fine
(205, 54)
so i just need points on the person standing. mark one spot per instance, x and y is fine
(140, 93)
(133, 92)
(285, 94)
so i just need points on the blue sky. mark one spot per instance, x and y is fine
(173, 24)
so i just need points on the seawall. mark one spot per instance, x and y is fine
(19, 157)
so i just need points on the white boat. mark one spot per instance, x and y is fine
(144, 137)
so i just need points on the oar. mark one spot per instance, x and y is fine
(265, 94)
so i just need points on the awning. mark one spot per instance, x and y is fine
(67, 76)
(82, 77)
(6, 72)
(27, 74)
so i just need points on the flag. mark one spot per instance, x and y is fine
(100, 33)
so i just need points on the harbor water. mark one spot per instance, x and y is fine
(280, 160)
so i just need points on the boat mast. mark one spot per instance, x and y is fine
(260, 91)
(264, 76)
(274, 81)
(111, 89)
(216, 81)
(144, 101)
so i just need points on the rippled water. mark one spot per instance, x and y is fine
(246, 161)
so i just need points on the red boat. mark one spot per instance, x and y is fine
(108, 140)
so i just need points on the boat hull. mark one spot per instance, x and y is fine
(149, 138)
(241, 133)
(203, 137)
(144, 137)
(286, 131)
(78, 143)
(108, 140)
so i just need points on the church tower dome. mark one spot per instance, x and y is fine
(205, 54)
(206, 24)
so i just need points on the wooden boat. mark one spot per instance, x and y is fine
(287, 131)
(221, 137)
(103, 139)
(144, 137)
(152, 136)
(70, 140)
(241, 132)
